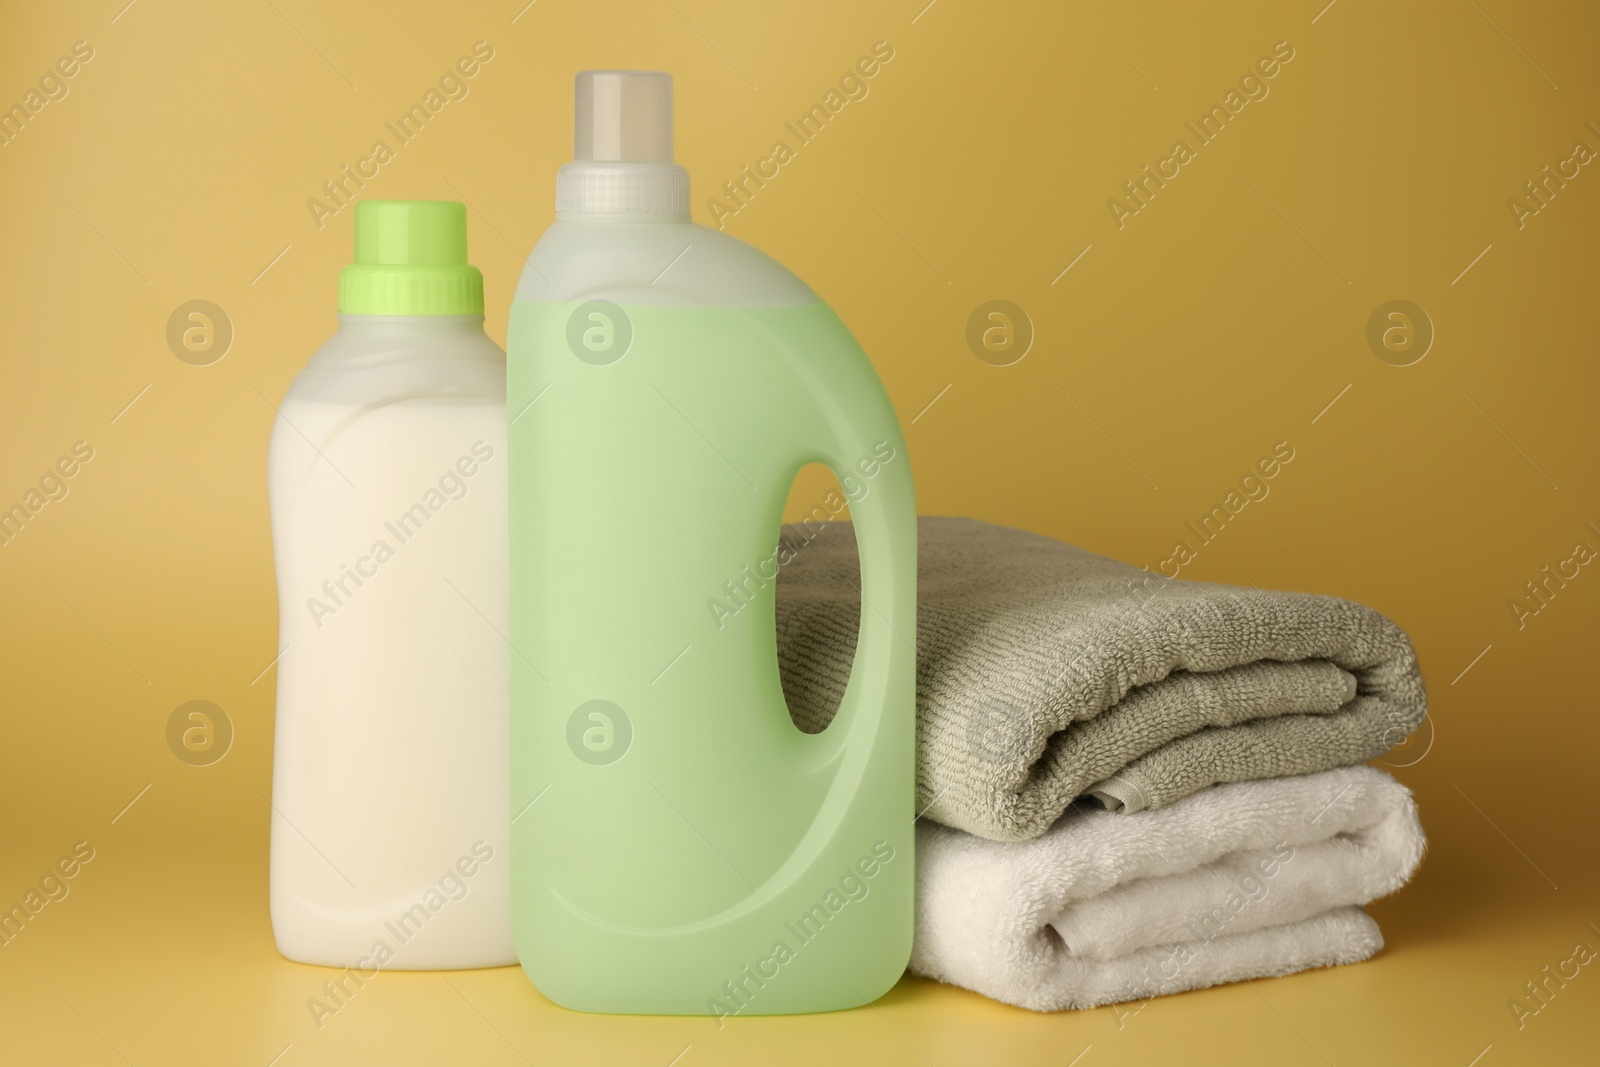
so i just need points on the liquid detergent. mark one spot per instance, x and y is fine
(678, 845)
(387, 478)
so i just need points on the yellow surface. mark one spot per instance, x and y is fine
(1225, 316)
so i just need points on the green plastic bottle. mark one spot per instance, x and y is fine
(678, 845)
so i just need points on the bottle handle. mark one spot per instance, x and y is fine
(884, 522)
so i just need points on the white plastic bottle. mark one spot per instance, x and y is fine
(387, 478)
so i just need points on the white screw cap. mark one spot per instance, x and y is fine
(623, 116)
(622, 149)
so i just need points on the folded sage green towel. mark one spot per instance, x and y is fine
(1046, 673)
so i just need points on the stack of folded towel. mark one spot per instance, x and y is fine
(1131, 785)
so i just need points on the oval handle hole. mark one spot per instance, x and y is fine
(818, 599)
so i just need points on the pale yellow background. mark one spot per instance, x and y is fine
(1224, 317)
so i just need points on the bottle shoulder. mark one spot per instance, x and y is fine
(372, 362)
(664, 263)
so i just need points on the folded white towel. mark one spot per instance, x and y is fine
(1237, 881)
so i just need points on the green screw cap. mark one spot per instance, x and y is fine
(411, 259)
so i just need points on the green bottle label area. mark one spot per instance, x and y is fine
(678, 845)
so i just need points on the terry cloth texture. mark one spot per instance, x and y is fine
(1241, 881)
(1046, 673)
